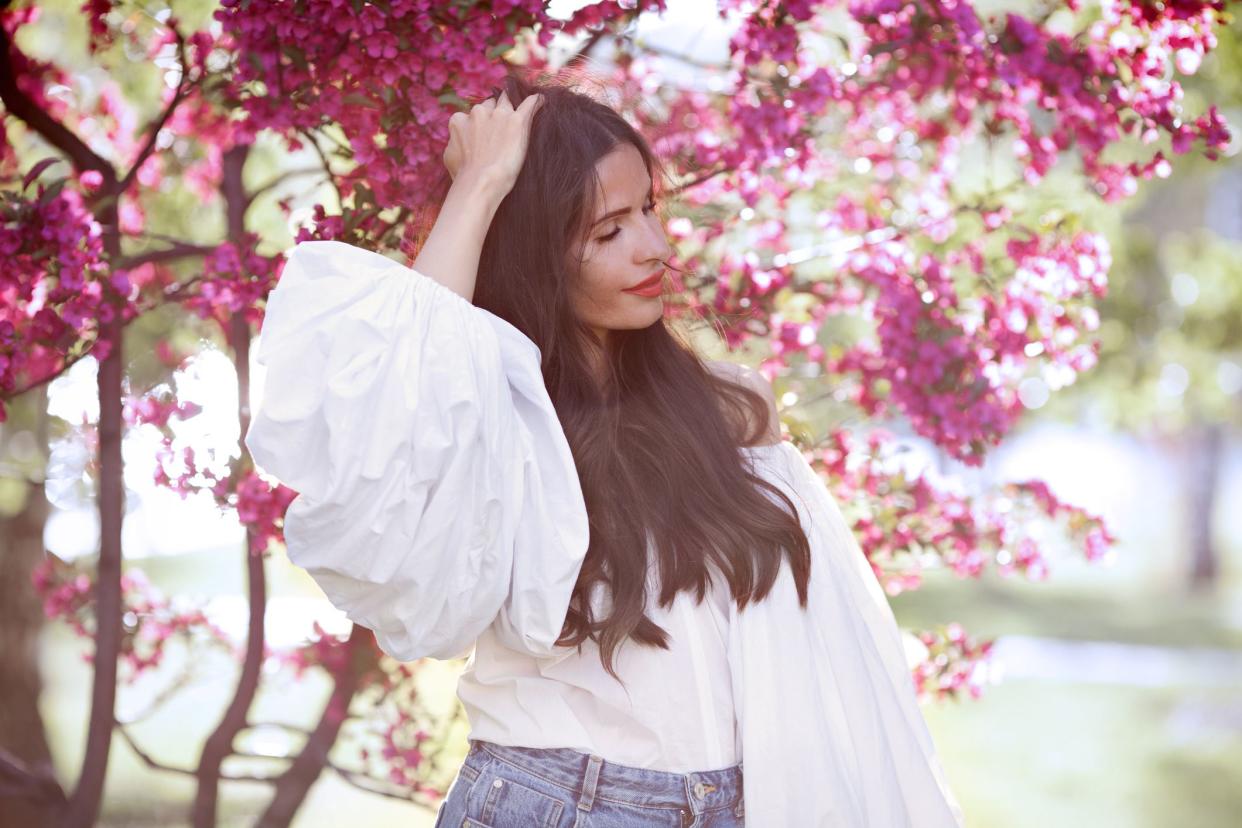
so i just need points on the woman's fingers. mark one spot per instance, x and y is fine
(491, 139)
(528, 106)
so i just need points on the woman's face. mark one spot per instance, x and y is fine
(624, 245)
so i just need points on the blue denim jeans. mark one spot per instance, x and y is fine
(500, 786)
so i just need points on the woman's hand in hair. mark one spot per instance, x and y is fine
(484, 155)
(488, 144)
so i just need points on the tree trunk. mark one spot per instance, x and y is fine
(22, 733)
(86, 800)
(1206, 442)
(296, 782)
(219, 745)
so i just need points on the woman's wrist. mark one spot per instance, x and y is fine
(479, 189)
(450, 254)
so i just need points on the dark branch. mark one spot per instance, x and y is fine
(277, 181)
(55, 133)
(153, 763)
(371, 784)
(153, 131)
(584, 51)
(694, 182)
(177, 251)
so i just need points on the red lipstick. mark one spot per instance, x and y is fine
(651, 286)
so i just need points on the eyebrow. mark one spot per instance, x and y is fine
(623, 210)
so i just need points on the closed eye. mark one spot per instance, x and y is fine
(649, 206)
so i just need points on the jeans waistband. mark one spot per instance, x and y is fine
(593, 776)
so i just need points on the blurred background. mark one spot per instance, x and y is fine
(1113, 693)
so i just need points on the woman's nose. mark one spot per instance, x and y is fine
(656, 244)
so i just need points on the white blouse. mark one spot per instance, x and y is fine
(675, 712)
(439, 506)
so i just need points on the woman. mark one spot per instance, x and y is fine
(505, 448)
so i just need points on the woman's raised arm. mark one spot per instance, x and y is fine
(484, 155)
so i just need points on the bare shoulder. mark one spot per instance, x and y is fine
(757, 382)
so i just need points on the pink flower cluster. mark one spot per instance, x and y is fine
(388, 726)
(150, 621)
(321, 650)
(259, 506)
(1080, 525)
(388, 74)
(392, 726)
(877, 135)
(405, 734)
(950, 364)
(235, 279)
(157, 412)
(906, 518)
(55, 289)
(955, 662)
(926, 363)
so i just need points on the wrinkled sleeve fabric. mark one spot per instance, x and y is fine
(865, 756)
(437, 494)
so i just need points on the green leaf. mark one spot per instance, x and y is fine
(453, 99)
(358, 99)
(356, 217)
(296, 56)
(363, 195)
(52, 191)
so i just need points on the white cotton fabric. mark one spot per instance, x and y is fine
(439, 506)
(675, 712)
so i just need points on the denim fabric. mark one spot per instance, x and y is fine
(500, 786)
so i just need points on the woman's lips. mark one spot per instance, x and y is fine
(652, 288)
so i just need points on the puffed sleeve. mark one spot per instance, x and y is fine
(866, 755)
(437, 494)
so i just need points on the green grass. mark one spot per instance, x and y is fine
(994, 606)
(1041, 753)
(1033, 753)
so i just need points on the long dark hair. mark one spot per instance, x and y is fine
(656, 442)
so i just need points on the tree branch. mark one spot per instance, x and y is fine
(180, 250)
(153, 131)
(278, 180)
(55, 133)
(153, 763)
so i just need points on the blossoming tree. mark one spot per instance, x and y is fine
(858, 204)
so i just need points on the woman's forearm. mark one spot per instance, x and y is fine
(450, 255)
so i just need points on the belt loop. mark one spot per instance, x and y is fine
(589, 780)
